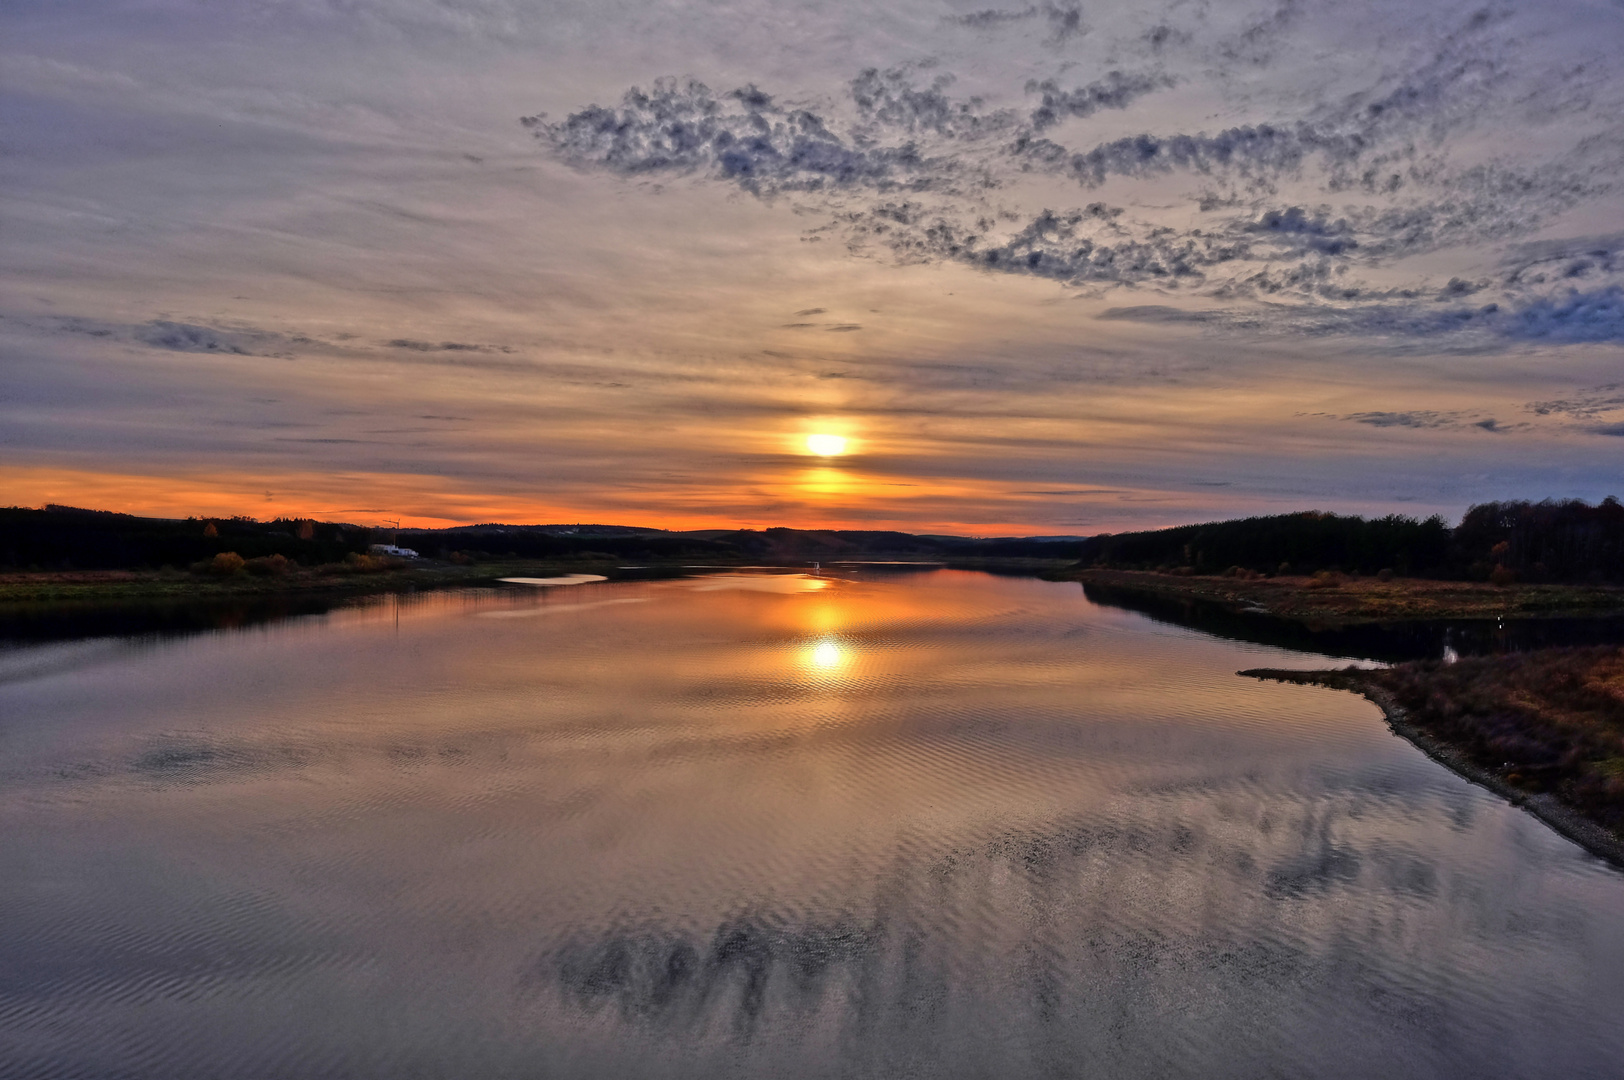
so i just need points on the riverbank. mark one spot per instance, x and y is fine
(1351, 600)
(1543, 729)
(118, 586)
(391, 575)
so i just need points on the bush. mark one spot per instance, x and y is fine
(224, 564)
(1384, 574)
(1325, 579)
(1502, 575)
(267, 566)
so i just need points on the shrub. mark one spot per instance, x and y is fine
(224, 564)
(1384, 574)
(1502, 575)
(267, 566)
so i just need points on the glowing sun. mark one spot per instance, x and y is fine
(826, 445)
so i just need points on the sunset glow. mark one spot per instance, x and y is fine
(826, 445)
(1045, 291)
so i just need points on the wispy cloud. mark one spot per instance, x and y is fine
(907, 166)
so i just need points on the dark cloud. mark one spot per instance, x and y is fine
(1572, 319)
(743, 137)
(810, 311)
(1161, 36)
(1300, 230)
(1416, 419)
(1064, 19)
(1077, 246)
(1162, 313)
(1587, 405)
(1257, 43)
(1115, 91)
(440, 346)
(1358, 139)
(1427, 420)
(186, 337)
(991, 18)
(888, 102)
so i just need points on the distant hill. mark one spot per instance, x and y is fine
(63, 537)
(766, 545)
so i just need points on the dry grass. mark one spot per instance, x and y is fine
(1545, 721)
(1341, 598)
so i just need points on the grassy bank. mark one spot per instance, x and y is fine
(1346, 600)
(113, 586)
(1545, 728)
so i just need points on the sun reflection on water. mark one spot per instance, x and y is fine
(825, 657)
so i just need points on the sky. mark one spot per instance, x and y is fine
(1049, 268)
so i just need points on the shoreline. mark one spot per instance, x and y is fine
(176, 586)
(1566, 820)
(1349, 601)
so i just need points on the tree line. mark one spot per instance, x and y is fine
(1565, 540)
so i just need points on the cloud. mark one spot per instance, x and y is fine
(742, 137)
(1419, 419)
(1076, 247)
(442, 346)
(1587, 405)
(1115, 91)
(185, 337)
(991, 18)
(1574, 317)
(1427, 420)
(889, 103)
(1300, 212)
(1571, 319)
(1064, 19)
(1354, 138)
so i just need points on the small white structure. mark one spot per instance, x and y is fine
(391, 549)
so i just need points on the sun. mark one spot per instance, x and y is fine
(826, 445)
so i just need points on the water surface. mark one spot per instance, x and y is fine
(933, 824)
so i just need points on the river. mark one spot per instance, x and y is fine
(929, 824)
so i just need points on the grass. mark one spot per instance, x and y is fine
(1340, 599)
(338, 578)
(1546, 721)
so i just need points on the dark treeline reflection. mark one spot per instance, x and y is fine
(63, 621)
(1392, 642)
(1068, 962)
(659, 973)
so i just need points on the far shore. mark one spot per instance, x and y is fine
(384, 576)
(1348, 600)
